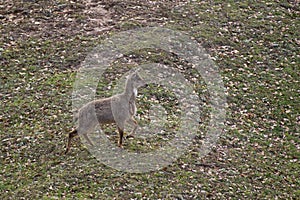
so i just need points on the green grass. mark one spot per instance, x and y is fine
(255, 45)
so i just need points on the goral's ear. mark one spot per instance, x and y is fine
(135, 73)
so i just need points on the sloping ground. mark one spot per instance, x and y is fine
(256, 46)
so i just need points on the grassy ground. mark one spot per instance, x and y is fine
(256, 46)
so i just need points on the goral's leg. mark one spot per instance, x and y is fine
(71, 135)
(121, 134)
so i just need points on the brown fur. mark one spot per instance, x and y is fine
(119, 109)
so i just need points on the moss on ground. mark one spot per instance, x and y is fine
(255, 45)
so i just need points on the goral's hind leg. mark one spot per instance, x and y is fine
(121, 134)
(72, 134)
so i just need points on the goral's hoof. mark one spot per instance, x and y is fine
(120, 145)
(129, 136)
